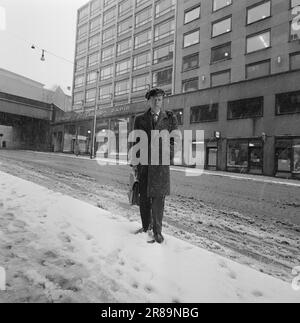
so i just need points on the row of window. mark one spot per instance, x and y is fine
(255, 13)
(286, 103)
(140, 61)
(162, 30)
(252, 71)
(160, 54)
(142, 17)
(139, 83)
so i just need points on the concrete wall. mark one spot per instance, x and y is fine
(7, 138)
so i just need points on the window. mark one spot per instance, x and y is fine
(94, 41)
(108, 53)
(219, 4)
(124, 46)
(258, 42)
(190, 85)
(141, 61)
(191, 38)
(190, 62)
(78, 98)
(164, 6)
(123, 67)
(106, 92)
(93, 59)
(163, 77)
(258, 69)
(106, 72)
(295, 61)
(79, 81)
(192, 14)
(164, 29)
(80, 64)
(91, 77)
(143, 17)
(179, 115)
(140, 83)
(109, 15)
(220, 78)
(81, 48)
(95, 24)
(237, 154)
(108, 34)
(90, 96)
(125, 7)
(288, 103)
(205, 113)
(221, 27)
(140, 2)
(82, 31)
(125, 26)
(221, 53)
(95, 6)
(294, 32)
(142, 39)
(295, 3)
(258, 12)
(122, 88)
(83, 13)
(164, 53)
(246, 108)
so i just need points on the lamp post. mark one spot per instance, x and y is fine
(95, 117)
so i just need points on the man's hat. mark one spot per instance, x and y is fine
(155, 92)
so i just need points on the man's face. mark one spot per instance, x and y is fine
(156, 102)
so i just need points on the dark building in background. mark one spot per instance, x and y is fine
(230, 67)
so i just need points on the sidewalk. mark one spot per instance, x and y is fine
(58, 249)
(235, 176)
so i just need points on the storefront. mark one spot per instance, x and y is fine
(245, 156)
(287, 156)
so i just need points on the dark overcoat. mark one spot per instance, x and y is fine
(155, 179)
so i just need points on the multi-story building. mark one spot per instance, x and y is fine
(231, 68)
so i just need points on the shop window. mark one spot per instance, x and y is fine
(245, 156)
(296, 157)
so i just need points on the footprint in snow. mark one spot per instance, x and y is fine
(232, 274)
(149, 289)
(257, 293)
(64, 237)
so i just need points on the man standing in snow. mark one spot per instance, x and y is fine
(154, 179)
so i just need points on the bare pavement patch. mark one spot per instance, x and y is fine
(58, 249)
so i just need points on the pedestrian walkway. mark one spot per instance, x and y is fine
(55, 248)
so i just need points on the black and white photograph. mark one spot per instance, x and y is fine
(149, 154)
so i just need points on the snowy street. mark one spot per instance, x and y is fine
(58, 249)
(251, 222)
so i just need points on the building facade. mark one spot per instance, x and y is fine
(230, 67)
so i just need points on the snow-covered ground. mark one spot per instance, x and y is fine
(56, 248)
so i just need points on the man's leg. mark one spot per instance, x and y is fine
(145, 209)
(158, 205)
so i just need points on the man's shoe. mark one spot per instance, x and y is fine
(150, 237)
(159, 238)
